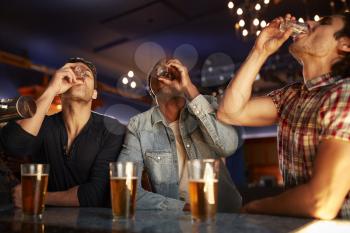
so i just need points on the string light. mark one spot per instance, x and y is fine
(257, 7)
(263, 23)
(258, 32)
(230, 5)
(266, 1)
(245, 32)
(256, 22)
(316, 18)
(301, 20)
(241, 23)
(239, 11)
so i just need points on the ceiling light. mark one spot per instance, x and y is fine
(257, 7)
(131, 74)
(241, 23)
(230, 5)
(256, 22)
(125, 80)
(245, 32)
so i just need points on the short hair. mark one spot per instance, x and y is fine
(89, 64)
(342, 67)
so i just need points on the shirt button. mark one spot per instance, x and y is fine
(188, 145)
(158, 158)
(197, 112)
(194, 106)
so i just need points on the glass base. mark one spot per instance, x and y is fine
(203, 220)
(123, 218)
(33, 217)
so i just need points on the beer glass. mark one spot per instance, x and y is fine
(203, 188)
(123, 180)
(34, 185)
(297, 27)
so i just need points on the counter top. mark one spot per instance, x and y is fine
(99, 220)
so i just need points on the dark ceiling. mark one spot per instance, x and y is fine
(115, 34)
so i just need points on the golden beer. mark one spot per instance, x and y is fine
(123, 196)
(34, 188)
(203, 199)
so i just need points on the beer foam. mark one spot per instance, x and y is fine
(124, 178)
(203, 180)
(31, 174)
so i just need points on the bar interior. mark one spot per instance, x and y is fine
(175, 116)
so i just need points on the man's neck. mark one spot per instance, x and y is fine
(171, 108)
(316, 67)
(75, 116)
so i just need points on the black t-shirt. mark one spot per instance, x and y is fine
(86, 163)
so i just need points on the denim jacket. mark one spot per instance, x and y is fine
(151, 144)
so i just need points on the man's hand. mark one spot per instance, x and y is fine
(271, 38)
(17, 196)
(63, 79)
(184, 83)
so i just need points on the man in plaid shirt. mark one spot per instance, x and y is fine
(313, 118)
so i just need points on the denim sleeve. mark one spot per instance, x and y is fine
(224, 138)
(132, 152)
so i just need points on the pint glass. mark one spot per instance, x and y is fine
(203, 188)
(123, 179)
(34, 185)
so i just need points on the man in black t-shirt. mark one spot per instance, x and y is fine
(77, 143)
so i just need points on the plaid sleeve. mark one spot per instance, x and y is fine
(334, 113)
(280, 95)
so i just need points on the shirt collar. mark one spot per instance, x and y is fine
(157, 116)
(189, 122)
(320, 81)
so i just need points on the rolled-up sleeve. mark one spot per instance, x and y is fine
(96, 191)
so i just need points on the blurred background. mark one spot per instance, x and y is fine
(125, 38)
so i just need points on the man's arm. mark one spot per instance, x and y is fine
(63, 198)
(219, 136)
(63, 79)
(145, 200)
(323, 196)
(237, 107)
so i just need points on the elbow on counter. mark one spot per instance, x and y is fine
(324, 208)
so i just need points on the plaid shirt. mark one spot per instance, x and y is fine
(308, 113)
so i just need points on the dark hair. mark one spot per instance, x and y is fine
(342, 67)
(89, 64)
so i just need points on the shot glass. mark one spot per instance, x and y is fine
(297, 27)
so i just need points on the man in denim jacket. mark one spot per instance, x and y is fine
(182, 126)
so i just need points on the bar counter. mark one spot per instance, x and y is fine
(99, 220)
